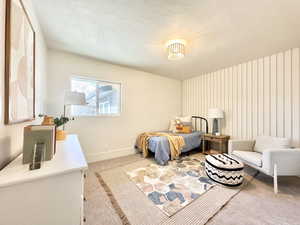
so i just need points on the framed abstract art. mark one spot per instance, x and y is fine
(19, 64)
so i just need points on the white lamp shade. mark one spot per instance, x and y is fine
(74, 98)
(215, 113)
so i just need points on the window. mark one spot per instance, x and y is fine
(103, 98)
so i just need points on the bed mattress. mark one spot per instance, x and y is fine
(161, 149)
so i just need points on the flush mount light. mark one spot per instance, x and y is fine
(176, 49)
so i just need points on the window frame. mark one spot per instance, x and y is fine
(96, 79)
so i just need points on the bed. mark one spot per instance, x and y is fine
(160, 145)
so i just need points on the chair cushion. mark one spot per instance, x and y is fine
(254, 158)
(265, 142)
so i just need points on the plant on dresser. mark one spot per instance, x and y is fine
(58, 122)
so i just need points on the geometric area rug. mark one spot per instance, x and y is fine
(174, 186)
(113, 198)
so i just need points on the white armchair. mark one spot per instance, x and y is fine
(270, 155)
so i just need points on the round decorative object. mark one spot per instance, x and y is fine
(224, 169)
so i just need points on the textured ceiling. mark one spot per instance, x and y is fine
(133, 32)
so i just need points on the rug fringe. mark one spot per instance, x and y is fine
(113, 200)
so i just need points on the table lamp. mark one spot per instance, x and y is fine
(215, 114)
(73, 98)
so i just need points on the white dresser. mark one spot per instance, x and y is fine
(52, 195)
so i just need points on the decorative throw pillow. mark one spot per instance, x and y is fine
(186, 129)
(186, 124)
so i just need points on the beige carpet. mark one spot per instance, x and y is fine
(257, 204)
(135, 205)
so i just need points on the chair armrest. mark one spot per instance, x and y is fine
(240, 145)
(287, 161)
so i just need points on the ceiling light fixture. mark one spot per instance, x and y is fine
(176, 49)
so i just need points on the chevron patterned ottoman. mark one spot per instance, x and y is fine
(224, 169)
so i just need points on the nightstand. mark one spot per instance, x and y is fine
(221, 141)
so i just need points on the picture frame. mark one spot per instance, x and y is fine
(19, 64)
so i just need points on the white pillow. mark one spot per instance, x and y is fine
(184, 119)
(172, 126)
(263, 143)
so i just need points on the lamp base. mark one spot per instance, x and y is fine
(215, 129)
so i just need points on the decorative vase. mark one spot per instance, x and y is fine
(48, 120)
(60, 135)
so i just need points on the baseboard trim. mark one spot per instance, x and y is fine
(110, 154)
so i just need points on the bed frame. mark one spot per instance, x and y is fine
(198, 121)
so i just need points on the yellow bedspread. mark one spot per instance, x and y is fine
(176, 142)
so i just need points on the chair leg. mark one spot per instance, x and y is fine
(275, 179)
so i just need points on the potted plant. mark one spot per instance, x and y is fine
(59, 123)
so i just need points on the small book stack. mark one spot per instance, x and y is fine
(36, 135)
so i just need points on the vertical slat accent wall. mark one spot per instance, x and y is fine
(259, 97)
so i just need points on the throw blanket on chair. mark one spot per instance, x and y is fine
(176, 142)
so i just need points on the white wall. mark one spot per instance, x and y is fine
(148, 103)
(260, 97)
(11, 136)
